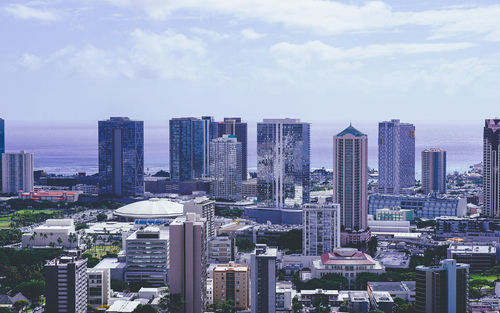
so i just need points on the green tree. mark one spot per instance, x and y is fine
(101, 217)
(144, 309)
(118, 285)
(5, 310)
(245, 245)
(19, 305)
(291, 241)
(32, 289)
(296, 305)
(175, 303)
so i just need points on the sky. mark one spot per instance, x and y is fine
(426, 60)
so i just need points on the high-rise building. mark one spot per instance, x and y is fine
(320, 228)
(17, 172)
(263, 277)
(147, 254)
(2, 145)
(204, 207)
(491, 167)
(225, 168)
(234, 126)
(99, 286)
(442, 289)
(350, 177)
(434, 171)
(188, 261)
(283, 163)
(189, 147)
(396, 156)
(121, 157)
(232, 282)
(66, 285)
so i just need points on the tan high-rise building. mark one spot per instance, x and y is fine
(17, 172)
(187, 272)
(232, 282)
(350, 178)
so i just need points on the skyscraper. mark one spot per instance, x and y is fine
(189, 147)
(442, 289)
(396, 156)
(121, 157)
(187, 273)
(263, 277)
(320, 228)
(350, 177)
(66, 285)
(491, 167)
(225, 168)
(17, 173)
(2, 145)
(283, 163)
(434, 171)
(234, 126)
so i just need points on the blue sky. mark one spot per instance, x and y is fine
(313, 59)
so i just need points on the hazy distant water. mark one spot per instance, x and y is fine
(69, 147)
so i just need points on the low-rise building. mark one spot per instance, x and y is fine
(393, 259)
(404, 289)
(471, 229)
(387, 226)
(284, 295)
(116, 267)
(382, 300)
(480, 257)
(394, 214)
(53, 196)
(347, 262)
(54, 233)
(123, 306)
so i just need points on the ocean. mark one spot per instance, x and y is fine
(69, 147)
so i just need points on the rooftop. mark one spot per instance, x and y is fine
(151, 208)
(351, 131)
(347, 256)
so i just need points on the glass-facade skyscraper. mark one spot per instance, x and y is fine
(121, 157)
(2, 145)
(190, 147)
(283, 163)
(234, 126)
(491, 167)
(350, 177)
(396, 156)
(434, 171)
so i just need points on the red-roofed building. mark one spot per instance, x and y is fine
(54, 196)
(347, 262)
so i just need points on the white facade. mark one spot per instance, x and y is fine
(221, 250)
(99, 286)
(321, 228)
(54, 233)
(204, 207)
(225, 168)
(17, 172)
(147, 255)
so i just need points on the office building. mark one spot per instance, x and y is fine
(481, 258)
(382, 300)
(396, 156)
(2, 145)
(17, 172)
(205, 208)
(99, 286)
(53, 196)
(53, 233)
(66, 285)
(188, 261)
(225, 168)
(121, 157)
(189, 147)
(398, 289)
(234, 126)
(423, 206)
(433, 171)
(442, 289)
(249, 188)
(147, 256)
(350, 177)
(321, 228)
(232, 282)
(470, 229)
(263, 275)
(221, 249)
(491, 167)
(283, 163)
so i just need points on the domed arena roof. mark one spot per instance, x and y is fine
(152, 208)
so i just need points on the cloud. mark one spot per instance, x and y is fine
(297, 55)
(212, 34)
(26, 12)
(251, 34)
(331, 17)
(30, 62)
(148, 55)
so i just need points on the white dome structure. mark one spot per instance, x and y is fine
(153, 208)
